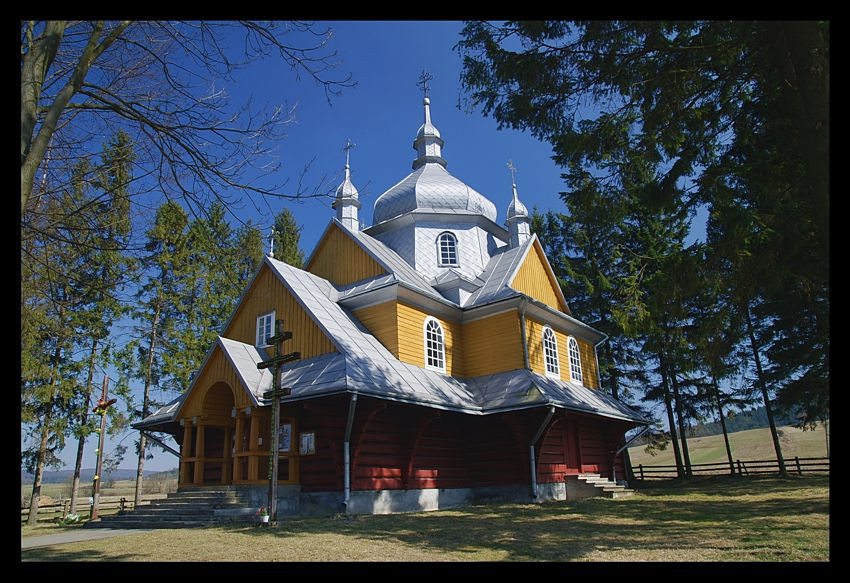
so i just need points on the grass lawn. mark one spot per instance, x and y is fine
(714, 519)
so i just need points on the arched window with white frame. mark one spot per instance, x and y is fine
(435, 347)
(550, 353)
(447, 250)
(575, 360)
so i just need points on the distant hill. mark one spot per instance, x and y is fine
(751, 444)
(743, 421)
(86, 475)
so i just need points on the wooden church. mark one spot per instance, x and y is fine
(440, 365)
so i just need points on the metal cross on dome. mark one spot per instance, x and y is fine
(348, 145)
(512, 168)
(423, 81)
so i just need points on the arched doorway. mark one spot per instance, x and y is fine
(215, 435)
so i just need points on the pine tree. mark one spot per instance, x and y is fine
(286, 239)
(158, 308)
(107, 268)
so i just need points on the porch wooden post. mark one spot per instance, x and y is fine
(253, 462)
(185, 449)
(228, 457)
(199, 455)
(237, 461)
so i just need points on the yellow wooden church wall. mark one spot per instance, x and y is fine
(411, 339)
(533, 280)
(534, 335)
(492, 345)
(340, 260)
(382, 321)
(218, 368)
(267, 294)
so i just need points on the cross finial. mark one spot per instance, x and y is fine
(271, 242)
(348, 145)
(423, 81)
(512, 168)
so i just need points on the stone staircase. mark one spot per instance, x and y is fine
(591, 485)
(189, 507)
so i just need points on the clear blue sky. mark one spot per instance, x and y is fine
(381, 116)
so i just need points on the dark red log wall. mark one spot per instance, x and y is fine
(396, 446)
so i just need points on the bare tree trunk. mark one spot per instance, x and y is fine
(670, 418)
(140, 469)
(615, 392)
(683, 428)
(34, 65)
(763, 385)
(723, 424)
(33, 148)
(35, 497)
(81, 444)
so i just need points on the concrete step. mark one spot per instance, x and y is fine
(206, 496)
(148, 524)
(199, 503)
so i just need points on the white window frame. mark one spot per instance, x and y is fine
(442, 347)
(551, 360)
(576, 374)
(440, 262)
(260, 318)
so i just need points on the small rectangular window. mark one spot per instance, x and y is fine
(265, 328)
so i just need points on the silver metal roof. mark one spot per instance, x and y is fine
(516, 208)
(165, 414)
(431, 188)
(364, 365)
(397, 267)
(498, 274)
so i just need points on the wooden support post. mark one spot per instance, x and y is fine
(185, 452)
(237, 461)
(199, 455)
(228, 456)
(799, 469)
(640, 467)
(253, 465)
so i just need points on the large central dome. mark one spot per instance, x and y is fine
(430, 187)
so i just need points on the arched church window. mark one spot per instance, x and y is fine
(447, 250)
(435, 348)
(550, 353)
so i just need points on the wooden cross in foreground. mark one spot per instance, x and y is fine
(275, 363)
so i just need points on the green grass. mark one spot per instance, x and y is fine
(753, 444)
(715, 519)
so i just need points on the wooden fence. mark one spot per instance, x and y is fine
(795, 465)
(106, 505)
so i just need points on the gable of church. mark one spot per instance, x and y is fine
(535, 279)
(267, 294)
(340, 260)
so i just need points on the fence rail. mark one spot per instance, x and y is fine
(795, 465)
(106, 505)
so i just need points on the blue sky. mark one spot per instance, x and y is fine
(381, 116)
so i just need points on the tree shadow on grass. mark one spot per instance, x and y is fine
(53, 554)
(560, 531)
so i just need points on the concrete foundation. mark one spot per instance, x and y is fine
(551, 491)
(293, 502)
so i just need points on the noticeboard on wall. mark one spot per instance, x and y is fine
(284, 438)
(307, 443)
